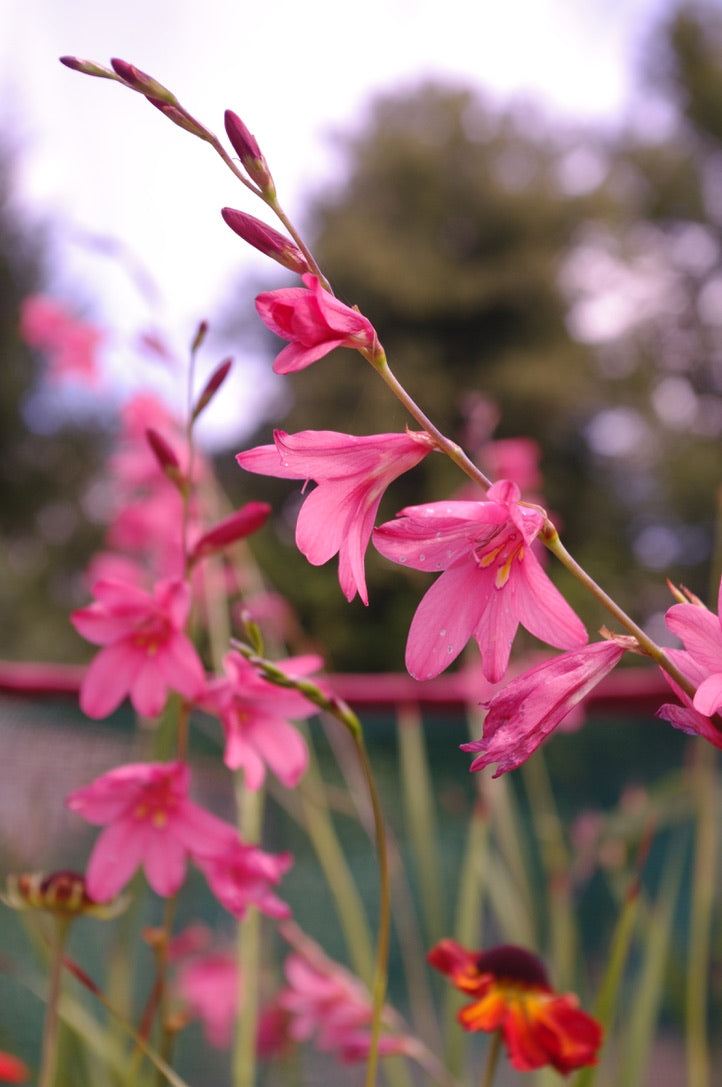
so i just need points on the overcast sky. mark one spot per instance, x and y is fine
(98, 161)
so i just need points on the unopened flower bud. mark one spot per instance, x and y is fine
(63, 893)
(141, 81)
(248, 151)
(266, 239)
(87, 67)
(240, 524)
(212, 386)
(166, 457)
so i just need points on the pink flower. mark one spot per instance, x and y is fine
(491, 583)
(352, 474)
(242, 875)
(524, 713)
(210, 985)
(71, 345)
(255, 714)
(327, 1002)
(146, 651)
(701, 632)
(315, 322)
(149, 821)
(701, 662)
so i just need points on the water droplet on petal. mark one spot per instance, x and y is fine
(442, 633)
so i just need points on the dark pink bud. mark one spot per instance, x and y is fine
(88, 67)
(266, 239)
(240, 524)
(248, 151)
(200, 335)
(166, 457)
(141, 81)
(212, 386)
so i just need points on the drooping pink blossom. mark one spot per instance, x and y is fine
(242, 875)
(255, 715)
(145, 651)
(328, 1004)
(701, 662)
(491, 582)
(210, 985)
(71, 345)
(352, 474)
(701, 632)
(521, 716)
(315, 322)
(149, 820)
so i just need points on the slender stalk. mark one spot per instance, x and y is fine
(49, 1059)
(452, 450)
(421, 816)
(345, 715)
(250, 808)
(703, 884)
(492, 1059)
(550, 537)
(384, 930)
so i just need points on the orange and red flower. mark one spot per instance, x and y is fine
(512, 994)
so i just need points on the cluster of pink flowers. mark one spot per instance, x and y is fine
(69, 344)
(483, 549)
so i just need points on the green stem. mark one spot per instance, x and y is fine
(550, 537)
(420, 816)
(48, 1063)
(250, 808)
(444, 444)
(703, 884)
(312, 262)
(492, 1059)
(384, 930)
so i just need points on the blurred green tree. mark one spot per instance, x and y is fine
(47, 463)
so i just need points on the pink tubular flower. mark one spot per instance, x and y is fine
(352, 474)
(70, 345)
(145, 650)
(491, 583)
(210, 985)
(149, 821)
(255, 715)
(327, 1003)
(701, 632)
(315, 322)
(523, 714)
(242, 875)
(701, 662)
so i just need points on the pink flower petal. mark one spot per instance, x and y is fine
(445, 619)
(283, 749)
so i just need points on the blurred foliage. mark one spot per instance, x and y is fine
(45, 535)
(566, 279)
